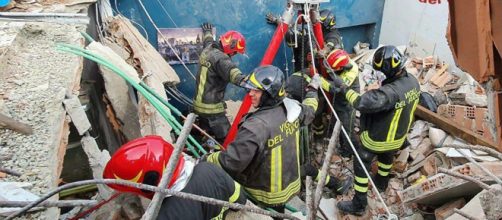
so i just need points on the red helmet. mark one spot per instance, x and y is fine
(338, 59)
(142, 160)
(233, 42)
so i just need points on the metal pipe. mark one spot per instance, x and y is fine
(182, 195)
(481, 167)
(61, 203)
(153, 209)
(327, 160)
(268, 58)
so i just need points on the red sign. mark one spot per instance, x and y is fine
(432, 2)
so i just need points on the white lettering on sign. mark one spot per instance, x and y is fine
(432, 2)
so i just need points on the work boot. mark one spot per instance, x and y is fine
(355, 207)
(381, 183)
(343, 186)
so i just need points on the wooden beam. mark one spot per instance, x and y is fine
(453, 128)
(15, 125)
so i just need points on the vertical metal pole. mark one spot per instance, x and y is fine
(268, 57)
(327, 160)
(154, 207)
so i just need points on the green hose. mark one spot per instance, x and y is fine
(87, 36)
(172, 119)
(166, 115)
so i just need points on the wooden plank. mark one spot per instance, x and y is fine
(15, 125)
(452, 128)
(439, 73)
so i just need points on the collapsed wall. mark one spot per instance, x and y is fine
(34, 80)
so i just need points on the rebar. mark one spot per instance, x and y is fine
(153, 209)
(182, 195)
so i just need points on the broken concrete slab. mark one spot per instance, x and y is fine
(77, 114)
(490, 201)
(117, 91)
(151, 67)
(328, 207)
(424, 148)
(11, 191)
(441, 188)
(97, 162)
(473, 207)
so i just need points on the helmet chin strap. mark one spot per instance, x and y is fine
(267, 101)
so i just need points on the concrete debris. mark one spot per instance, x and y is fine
(441, 188)
(33, 82)
(417, 184)
(437, 137)
(473, 207)
(401, 162)
(490, 201)
(361, 48)
(117, 90)
(11, 191)
(418, 132)
(77, 114)
(149, 65)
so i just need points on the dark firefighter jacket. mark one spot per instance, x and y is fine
(215, 72)
(332, 40)
(206, 180)
(387, 112)
(264, 157)
(351, 79)
(300, 79)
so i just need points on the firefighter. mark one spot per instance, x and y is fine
(347, 70)
(332, 38)
(386, 116)
(143, 160)
(264, 157)
(295, 90)
(215, 72)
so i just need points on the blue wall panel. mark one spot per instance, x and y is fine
(357, 20)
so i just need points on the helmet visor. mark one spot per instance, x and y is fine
(252, 83)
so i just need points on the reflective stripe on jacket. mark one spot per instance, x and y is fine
(264, 157)
(387, 112)
(215, 72)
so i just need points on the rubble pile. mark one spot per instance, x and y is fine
(418, 189)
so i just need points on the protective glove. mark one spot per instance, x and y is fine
(272, 19)
(339, 85)
(243, 81)
(315, 82)
(207, 27)
(322, 53)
